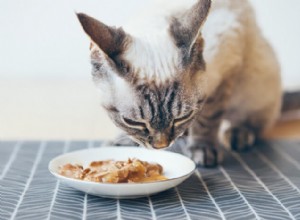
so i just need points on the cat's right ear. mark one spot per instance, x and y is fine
(185, 27)
(110, 40)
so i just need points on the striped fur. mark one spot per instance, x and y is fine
(189, 67)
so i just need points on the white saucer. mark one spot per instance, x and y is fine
(176, 167)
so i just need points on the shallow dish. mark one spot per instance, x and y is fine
(176, 167)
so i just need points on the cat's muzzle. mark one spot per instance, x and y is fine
(160, 141)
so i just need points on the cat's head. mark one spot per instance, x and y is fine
(151, 86)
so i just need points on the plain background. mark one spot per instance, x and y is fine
(45, 85)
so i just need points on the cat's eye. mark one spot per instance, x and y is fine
(183, 119)
(134, 124)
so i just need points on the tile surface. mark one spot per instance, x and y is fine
(263, 183)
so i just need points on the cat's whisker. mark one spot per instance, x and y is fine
(138, 141)
(119, 140)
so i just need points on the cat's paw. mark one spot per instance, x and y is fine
(203, 154)
(238, 138)
(122, 140)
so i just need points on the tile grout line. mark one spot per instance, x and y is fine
(249, 170)
(267, 161)
(118, 210)
(34, 167)
(210, 196)
(84, 206)
(11, 159)
(182, 204)
(66, 148)
(287, 157)
(297, 149)
(239, 192)
(90, 145)
(152, 209)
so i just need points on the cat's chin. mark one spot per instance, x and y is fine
(150, 147)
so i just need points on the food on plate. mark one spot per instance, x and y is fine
(111, 171)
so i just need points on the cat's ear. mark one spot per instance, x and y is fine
(109, 39)
(185, 27)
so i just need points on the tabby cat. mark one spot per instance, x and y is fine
(185, 70)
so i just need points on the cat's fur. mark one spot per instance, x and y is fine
(201, 62)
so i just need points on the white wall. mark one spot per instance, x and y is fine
(45, 84)
(279, 20)
(43, 38)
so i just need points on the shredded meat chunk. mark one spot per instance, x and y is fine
(110, 171)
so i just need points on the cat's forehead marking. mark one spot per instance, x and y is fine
(159, 103)
(153, 57)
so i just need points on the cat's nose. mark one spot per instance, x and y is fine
(160, 141)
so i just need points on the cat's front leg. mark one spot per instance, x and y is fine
(203, 145)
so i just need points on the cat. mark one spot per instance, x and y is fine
(183, 71)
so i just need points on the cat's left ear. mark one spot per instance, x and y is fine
(185, 27)
(110, 40)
